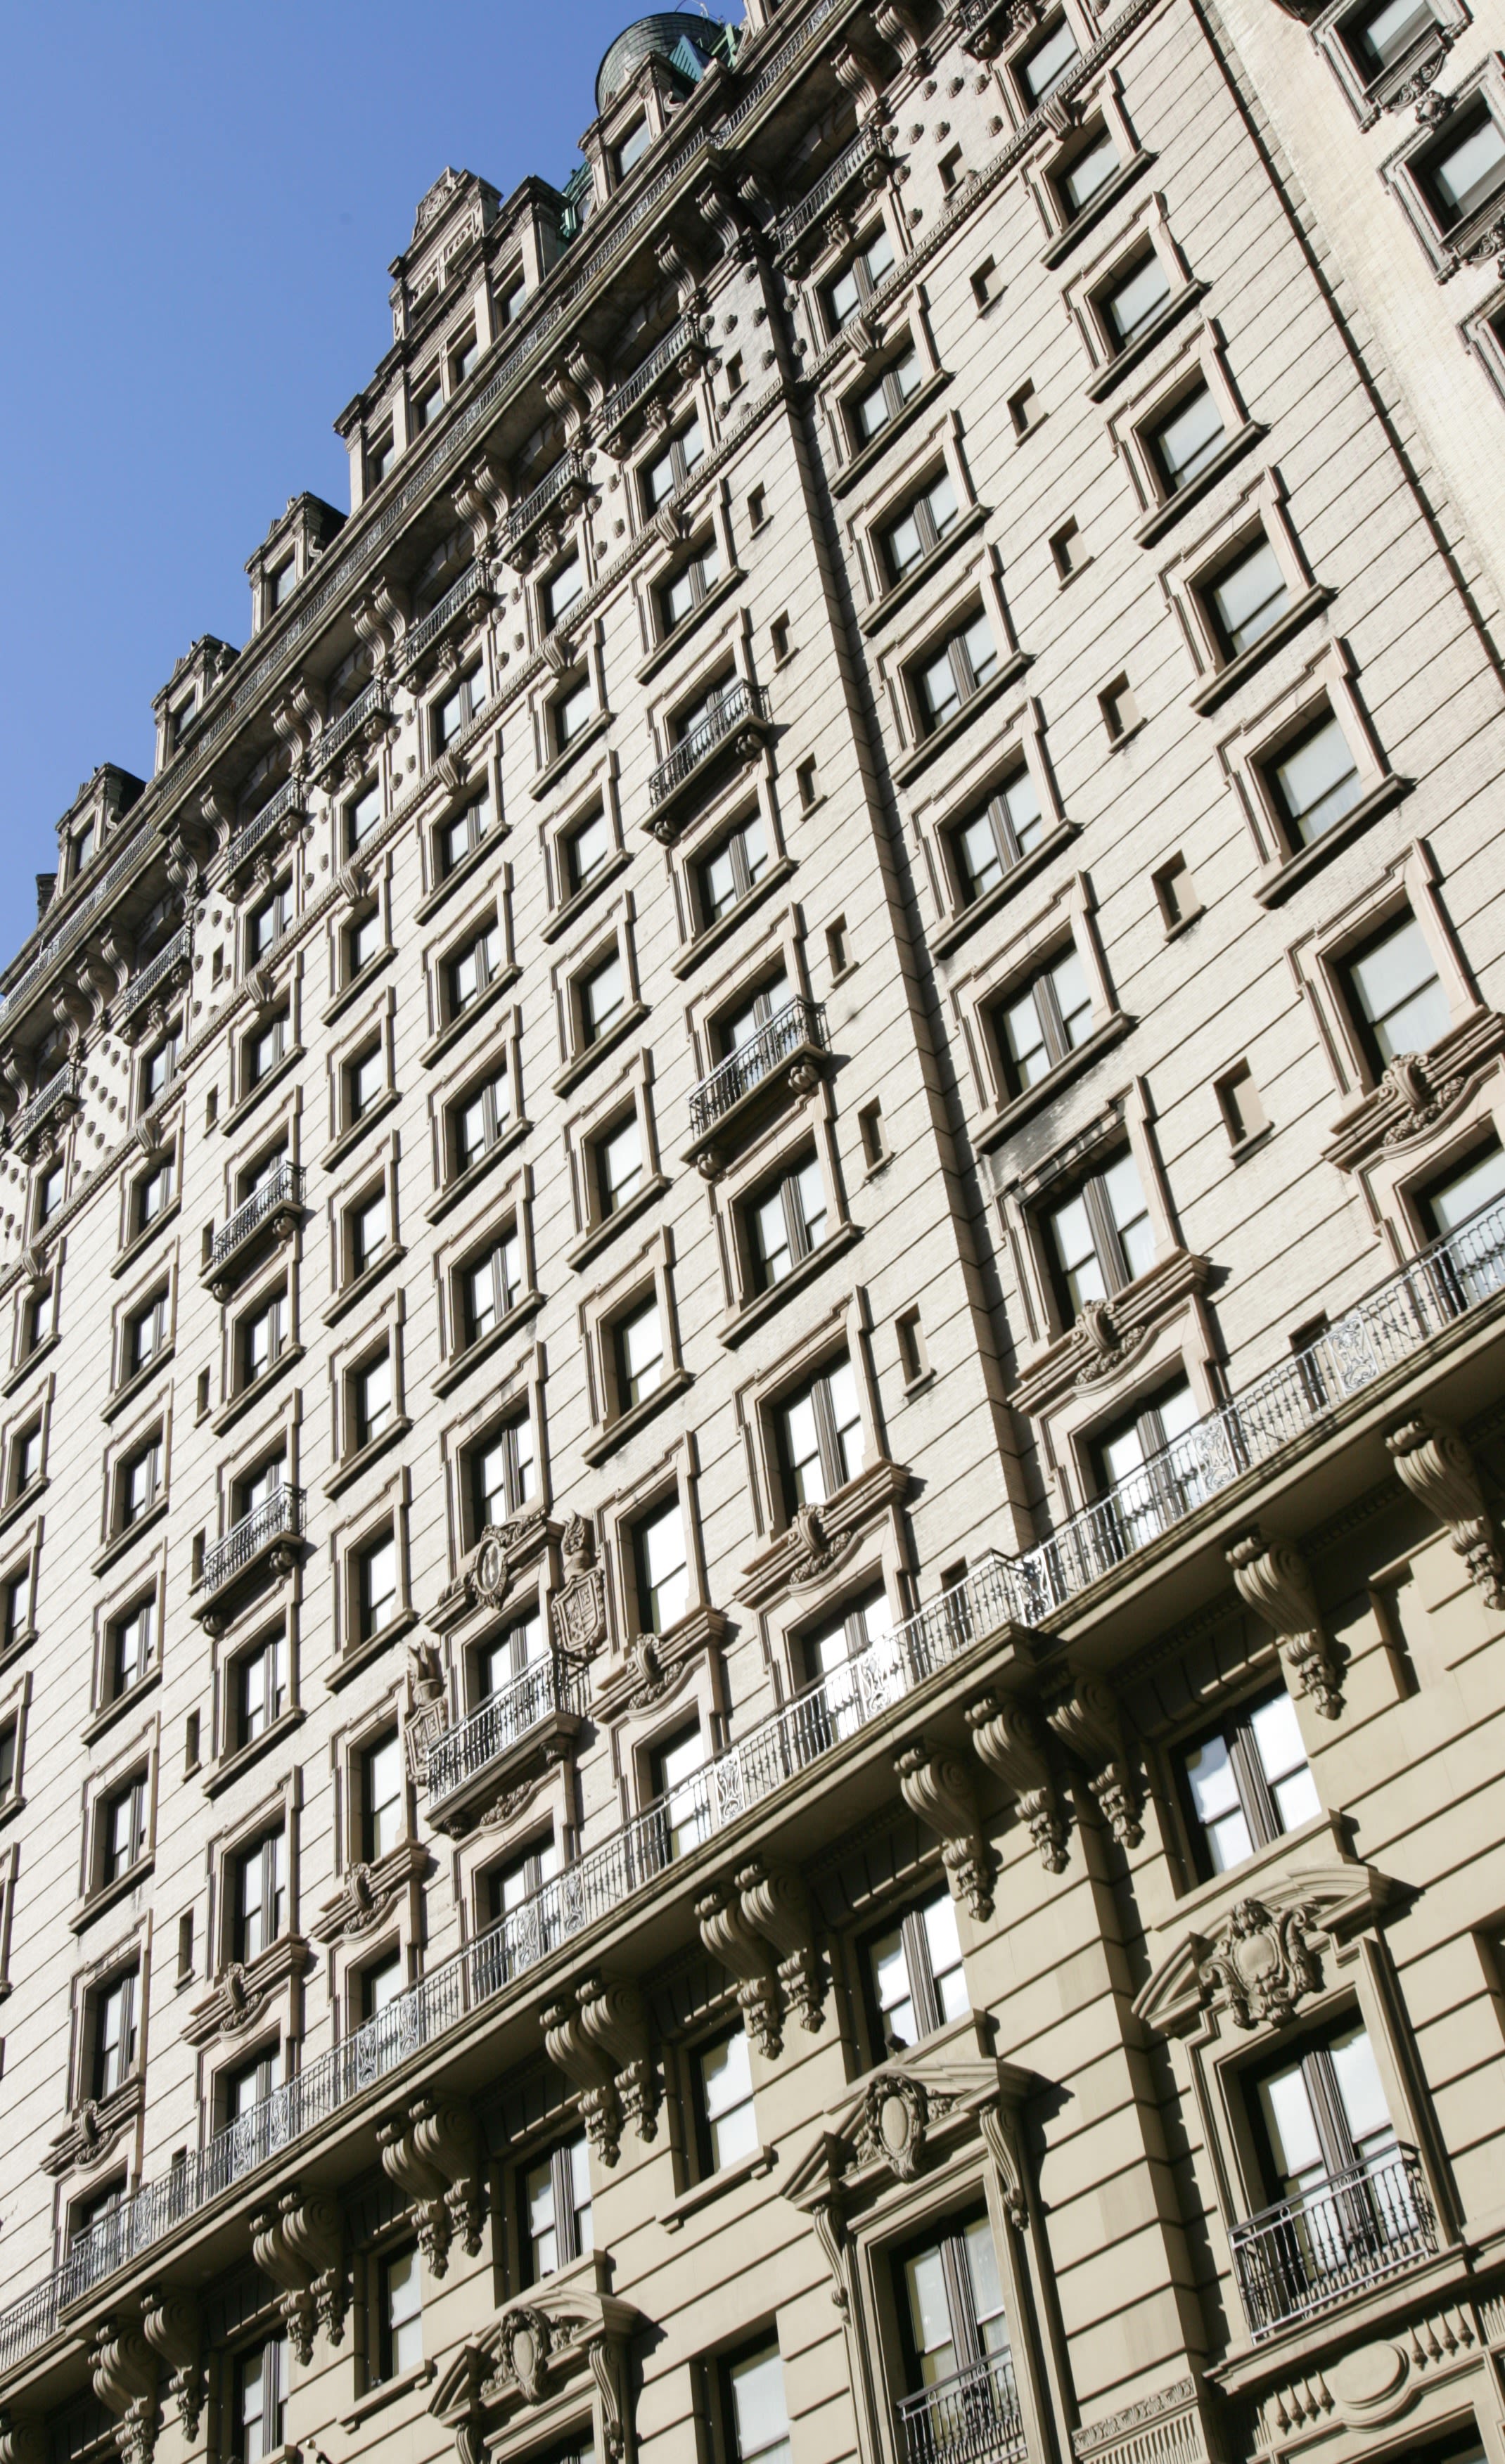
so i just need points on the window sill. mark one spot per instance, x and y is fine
(263, 1086)
(1233, 1884)
(351, 1138)
(896, 597)
(120, 1708)
(966, 921)
(600, 1234)
(715, 597)
(932, 746)
(734, 1331)
(350, 993)
(140, 1242)
(21, 1640)
(465, 871)
(1227, 681)
(127, 1539)
(714, 935)
(389, 2392)
(1282, 879)
(584, 1061)
(137, 1384)
(1095, 207)
(1241, 1151)
(350, 1296)
(97, 1901)
(748, 2168)
(863, 460)
(346, 1474)
(629, 1424)
(226, 1772)
(251, 1395)
(1004, 1123)
(1132, 353)
(20, 1504)
(38, 1351)
(362, 1654)
(444, 1381)
(465, 1181)
(456, 1028)
(553, 771)
(1166, 517)
(579, 900)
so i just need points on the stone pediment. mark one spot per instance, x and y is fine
(94, 2128)
(520, 2377)
(243, 1990)
(490, 1573)
(906, 2116)
(820, 1539)
(1260, 1952)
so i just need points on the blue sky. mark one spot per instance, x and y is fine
(203, 203)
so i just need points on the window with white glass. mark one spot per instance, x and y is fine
(926, 521)
(754, 2406)
(587, 849)
(262, 1336)
(146, 1332)
(784, 1223)
(732, 870)
(555, 2210)
(152, 1195)
(632, 147)
(478, 1120)
(260, 2401)
(690, 583)
(362, 814)
(1322, 2112)
(384, 1796)
(50, 1187)
(1041, 68)
(377, 1596)
(951, 2303)
(1042, 1024)
(991, 841)
(251, 2082)
(1246, 597)
(399, 2301)
(1462, 1190)
(123, 1829)
(667, 469)
(738, 1029)
(132, 1646)
(601, 999)
(456, 707)
(572, 713)
(1130, 1457)
(500, 1662)
(1313, 781)
(852, 288)
(560, 590)
(1185, 439)
(1395, 994)
(462, 833)
(140, 1479)
(511, 1886)
(1466, 168)
(819, 1437)
(1247, 1782)
(915, 1975)
(491, 1286)
(381, 1985)
(473, 970)
(258, 1896)
(1090, 169)
(875, 406)
(616, 1165)
(726, 2123)
(115, 2034)
(675, 1769)
(157, 1071)
(367, 1230)
(503, 1474)
(1379, 34)
(263, 1049)
(661, 1568)
(1134, 299)
(1101, 1237)
(372, 1401)
(268, 921)
(258, 1490)
(948, 676)
(426, 399)
(258, 1688)
(637, 1345)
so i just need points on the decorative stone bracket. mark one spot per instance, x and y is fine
(125, 2371)
(433, 2153)
(1435, 1464)
(759, 1926)
(936, 1787)
(1273, 1580)
(729, 1938)
(1008, 1738)
(598, 2037)
(1086, 1719)
(295, 2241)
(92, 2129)
(172, 2327)
(368, 1891)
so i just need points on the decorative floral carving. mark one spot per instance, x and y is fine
(813, 1552)
(1102, 1345)
(1261, 1964)
(1423, 1100)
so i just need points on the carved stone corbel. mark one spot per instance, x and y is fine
(433, 2153)
(23, 2438)
(729, 1937)
(588, 372)
(1273, 1580)
(1086, 1718)
(481, 498)
(1000, 2130)
(854, 74)
(295, 2241)
(777, 1906)
(612, 2017)
(125, 2371)
(296, 717)
(172, 2327)
(422, 2184)
(565, 399)
(571, 2051)
(1008, 1739)
(936, 1787)
(1435, 1464)
(900, 31)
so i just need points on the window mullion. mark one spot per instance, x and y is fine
(1327, 2107)
(1253, 1791)
(959, 2301)
(825, 1434)
(1003, 830)
(921, 1984)
(1052, 1025)
(1105, 1235)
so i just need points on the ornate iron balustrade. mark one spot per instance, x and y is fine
(278, 1517)
(461, 1754)
(338, 734)
(798, 1023)
(739, 703)
(283, 1186)
(43, 1104)
(569, 470)
(866, 148)
(972, 2417)
(1337, 2238)
(421, 637)
(245, 842)
(140, 987)
(74, 925)
(621, 398)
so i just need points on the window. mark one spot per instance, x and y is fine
(731, 870)
(728, 2125)
(872, 410)
(1397, 1000)
(132, 1642)
(564, 585)
(258, 1681)
(503, 1474)
(263, 1049)
(685, 590)
(122, 1830)
(1466, 168)
(1462, 1190)
(362, 816)
(784, 1223)
(1043, 1023)
(481, 1118)
(262, 1336)
(1244, 1115)
(952, 2309)
(459, 836)
(366, 1233)
(954, 673)
(616, 1165)
(381, 1985)
(1065, 550)
(365, 1083)
(491, 1286)
(15, 1609)
(1383, 31)
(501, 1661)
(145, 1333)
(1102, 1237)
(1087, 170)
(1176, 894)
(672, 466)
(521, 1879)
(8, 1759)
(1185, 441)
(555, 2210)
(85, 2215)
(399, 2297)
(1246, 598)
(454, 712)
(473, 970)
(464, 358)
(260, 2401)
(267, 922)
(572, 713)
(916, 1974)
(819, 1437)
(1134, 300)
(428, 399)
(680, 1790)
(1137, 1439)
(757, 2414)
(921, 527)
(384, 1810)
(258, 1489)
(114, 2034)
(1247, 1782)
(139, 1480)
(376, 1597)
(632, 147)
(602, 998)
(380, 453)
(855, 286)
(50, 1189)
(988, 843)
(587, 850)
(157, 1071)
(251, 2082)
(1042, 67)
(258, 1897)
(1320, 2114)
(638, 1347)
(511, 299)
(372, 1404)
(661, 1568)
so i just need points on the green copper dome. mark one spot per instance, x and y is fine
(684, 41)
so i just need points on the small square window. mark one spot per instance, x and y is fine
(1244, 1115)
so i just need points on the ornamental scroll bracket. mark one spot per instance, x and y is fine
(936, 1787)
(297, 2242)
(614, 2021)
(1085, 1717)
(1273, 1580)
(433, 2154)
(730, 1937)
(125, 2371)
(777, 1906)
(1435, 1464)
(172, 2327)
(1008, 1738)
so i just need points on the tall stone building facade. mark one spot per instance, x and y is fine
(752, 1617)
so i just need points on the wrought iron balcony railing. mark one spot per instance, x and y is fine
(339, 731)
(799, 1025)
(141, 988)
(865, 148)
(421, 637)
(44, 1104)
(971, 2418)
(279, 1517)
(624, 397)
(283, 1186)
(568, 471)
(740, 704)
(76, 922)
(462, 1754)
(246, 841)
(1336, 2240)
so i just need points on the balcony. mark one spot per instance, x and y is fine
(971, 2418)
(865, 155)
(268, 1215)
(468, 1766)
(270, 1535)
(737, 721)
(682, 350)
(1333, 2241)
(76, 923)
(344, 730)
(559, 494)
(468, 598)
(289, 798)
(784, 1058)
(51, 1103)
(146, 993)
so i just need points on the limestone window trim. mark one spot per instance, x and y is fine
(1199, 358)
(566, 540)
(20, 1569)
(117, 1536)
(1471, 241)
(779, 950)
(120, 2112)
(938, 453)
(535, 1811)
(350, 1284)
(753, 798)
(24, 1446)
(216, 2077)
(1323, 686)
(587, 2405)
(612, 936)
(1020, 40)
(39, 1288)
(365, 884)
(463, 662)
(277, 874)
(229, 1755)
(275, 995)
(382, 1511)
(1407, 888)
(365, 770)
(1257, 515)
(1064, 924)
(135, 1237)
(582, 664)
(277, 1436)
(842, 1331)
(1125, 1121)
(507, 1209)
(1097, 106)
(837, 240)
(447, 1025)
(950, 798)
(366, 1726)
(501, 1057)
(278, 1809)
(1401, 81)
(846, 388)
(675, 532)
(516, 1390)
(461, 777)
(598, 794)
(878, 1560)
(127, 1384)
(378, 1336)
(134, 1760)
(646, 1276)
(240, 1393)
(16, 1710)
(1484, 336)
(631, 1682)
(627, 1098)
(1146, 234)
(375, 1030)
(973, 588)
(782, 1150)
(146, 1584)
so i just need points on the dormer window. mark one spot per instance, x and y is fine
(632, 147)
(380, 453)
(80, 848)
(180, 722)
(428, 399)
(281, 582)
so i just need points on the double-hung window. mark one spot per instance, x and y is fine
(1326, 2141)
(786, 1223)
(689, 585)
(1133, 300)
(564, 587)
(472, 970)
(480, 1119)
(258, 1896)
(399, 2312)
(260, 2406)
(819, 1436)
(555, 2210)
(950, 674)
(587, 850)
(262, 1337)
(383, 1806)
(362, 816)
(733, 869)
(853, 287)
(755, 2408)
(601, 999)
(872, 410)
(503, 1474)
(123, 1828)
(1462, 1190)
(1466, 168)
(132, 1646)
(617, 1165)
(637, 1341)
(428, 399)
(1043, 66)
(727, 2125)
(1184, 442)
(1102, 1237)
(1043, 1023)
(259, 1688)
(491, 1286)
(661, 1568)
(268, 921)
(464, 832)
(372, 1401)
(671, 467)
(951, 2304)
(1395, 993)
(454, 712)
(1383, 31)
(146, 1334)
(1314, 781)
(679, 1787)
(927, 519)
(1247, 1782)
(114, 2034)
(915, 1974)
(1087, 170)
(141, 1481)
(991, 842)
(377, 1597)
(508, 1656)
(262, 1050)
(1246, 597)
(572, 713)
